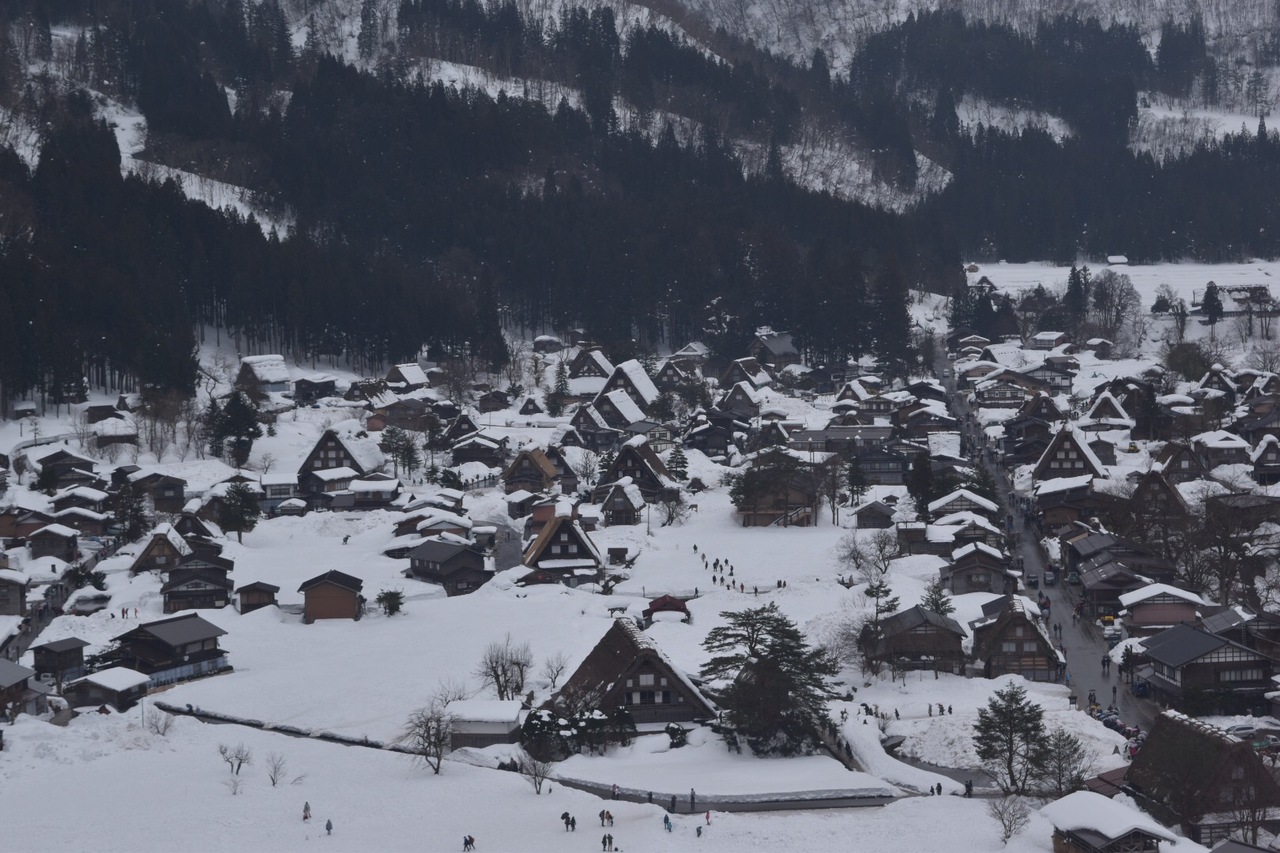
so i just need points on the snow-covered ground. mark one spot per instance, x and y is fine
(134, 790)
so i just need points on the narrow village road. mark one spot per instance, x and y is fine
(1082, 642)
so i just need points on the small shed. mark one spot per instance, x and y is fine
(117, 686)
(332, 595)
(484, 722)
(256, 595)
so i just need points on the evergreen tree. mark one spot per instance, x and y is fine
(239, 512)
(858, 483)
(1010, 739)
(678, 464)
(936, 598)
(393, 443)
(240, 427)
(1076, 300)
(920, 484)
(391, 601)
(131, 512)
(1211, 305)
(213, 429)
(776, 691)
(885, 602)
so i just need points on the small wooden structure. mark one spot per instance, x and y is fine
(256, 595)
(332, 595)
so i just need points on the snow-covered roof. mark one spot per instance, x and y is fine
(83, 492)
(1107, 817)
(57, 530)
(412, 373)
(175, 539)
(1063, 484)
(626, 406)
(116, 678)
(640, 380)
(958, 494)
(1129, 599)
(1267, 441)
(1047, 336)
(332, 475)
(362, 448)
(973, 547)
(14, 577)
(370, 486)
(268, 368)
(518, 495)
(486, 710)
(279, 478)
(1220, 439)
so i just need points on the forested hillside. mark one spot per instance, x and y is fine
(645, 175)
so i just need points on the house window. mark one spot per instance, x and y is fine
(646, 679)
(1009, 647)
(1029, 647)
(646, 697)
(1240, 675)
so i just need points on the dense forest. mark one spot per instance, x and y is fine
(424, 215)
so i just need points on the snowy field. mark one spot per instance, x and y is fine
(177, 789)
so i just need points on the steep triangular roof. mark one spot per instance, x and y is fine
(1107, 408)
(617, 652)
(1070, 438)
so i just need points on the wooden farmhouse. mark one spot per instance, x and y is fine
(1198, 672)
(630, 377)
(262, 374)
(626, 669)
(564, 553)
(1201, 779)
(13, 592)
(459, 567)
(1068, 455)
(531, 471)
(195, 589)
(162, 552)
(18, 694)
(63, 659)
(1156, 607)
(1010, 640)
(340, 449)
(332, 595)
(55, 540)
(172, 649)
(917, 638)
(637, 460)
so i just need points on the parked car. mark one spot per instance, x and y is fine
(1244, 731)
(1267, 743)
(1074, 577)
(1050, 577)
(1033, 581)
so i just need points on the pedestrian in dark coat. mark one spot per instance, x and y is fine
(673, 802)
(328, 827)
(573, 824)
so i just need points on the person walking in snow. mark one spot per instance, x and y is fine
(693, 801)
(573, 824)
(328, 827)
(708, 818)
(306, 811)
(604, 842)
(673, 802)
(602, 817)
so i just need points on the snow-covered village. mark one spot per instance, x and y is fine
(1023, 599)
(705, 425)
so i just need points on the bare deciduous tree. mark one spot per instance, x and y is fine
(277, 767)
(868, 557)
(159, 723)
(504, 665)
(587, 466)
(1011, 813)
(553, 667)
(236, 757)
(536, 771)
(429, 732)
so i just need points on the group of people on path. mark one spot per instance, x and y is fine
(306, 816)
(606, 843)
(606, 816)
(570, 822)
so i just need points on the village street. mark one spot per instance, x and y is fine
(1081, 642)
